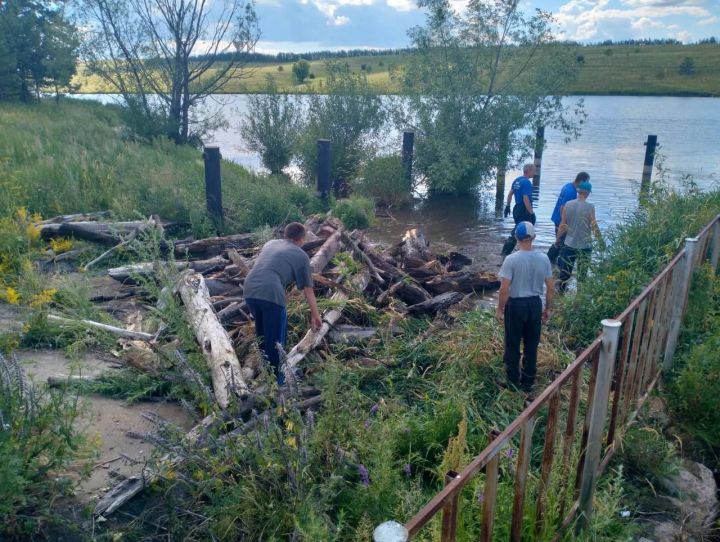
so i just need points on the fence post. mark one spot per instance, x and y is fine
(650, 146)
(323, 175)
(390, 531)
(407, 154)
(449, 516)
(598, 413)
(680, 293)
(213, 183)
(539, 145)
(715, 251)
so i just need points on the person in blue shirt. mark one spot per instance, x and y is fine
(521, 190)
(568, 193)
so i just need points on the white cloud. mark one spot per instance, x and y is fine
(330, 7)
(710, 20)
(402, 5)
(684, 36)
(584, 20)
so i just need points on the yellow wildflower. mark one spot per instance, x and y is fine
(289, 425)
(12, 296)
(60, 245)
(43, 298)
(292, 442)
(32, 232)
(37, 217)
(170, 475)
(22, 214)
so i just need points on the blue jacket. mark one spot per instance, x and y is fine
(522, 186)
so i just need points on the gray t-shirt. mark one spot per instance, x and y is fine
(280, 262)
(578, 215)
(527, 271)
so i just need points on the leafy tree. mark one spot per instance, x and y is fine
(301, 70)
(143, 49)
(271, 126)
(348, 113)
(687, 66)
(38, 48)
(476, 79)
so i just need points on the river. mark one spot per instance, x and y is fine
(610, 148)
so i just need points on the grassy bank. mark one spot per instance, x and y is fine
(615, 69)
(77, 156)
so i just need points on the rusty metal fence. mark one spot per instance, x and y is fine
(585, 416)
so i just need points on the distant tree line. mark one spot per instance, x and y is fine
(313, 55)
(38, 49)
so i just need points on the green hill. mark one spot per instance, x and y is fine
(614, 69)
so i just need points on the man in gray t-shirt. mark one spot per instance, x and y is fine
(578, 224)
(280, 263)
(524, 275)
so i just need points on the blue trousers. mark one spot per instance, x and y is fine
(271, 329)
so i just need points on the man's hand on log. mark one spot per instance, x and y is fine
(315, 320)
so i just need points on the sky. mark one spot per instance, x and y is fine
(311, 25)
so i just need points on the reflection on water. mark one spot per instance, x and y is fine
(611, 149)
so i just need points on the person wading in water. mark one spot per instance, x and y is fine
(567, 194)
(521, 189)
(523, 277)
(577, 225)
(280, 263)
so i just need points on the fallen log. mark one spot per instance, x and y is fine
(120, 332)
(214, 341)
(351, 334)
(411, 293)
(104, 233)
(128, 273)
(462, 281)
(243, 266)
(79, 217)
(313, 338)
(414, 246)
(214, 246)
(234, 312)
(327, 252)
(148, 224)
(437, 303)
(360, 253)
(456, 261)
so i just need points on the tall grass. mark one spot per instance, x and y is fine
(78, 156)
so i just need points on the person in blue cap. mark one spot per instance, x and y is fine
(524, 276)
(568, 193)
(522, 190)
(578, 224)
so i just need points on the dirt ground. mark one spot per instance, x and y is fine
(106, 421)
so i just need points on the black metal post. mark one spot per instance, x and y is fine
(407, 154)
(650, 146)
(539, 145)
(323, 175)
(213, 183)
(501, 171)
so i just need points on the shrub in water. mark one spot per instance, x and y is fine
(383, 180)
(356, 212)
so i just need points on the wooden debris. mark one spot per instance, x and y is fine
(327, 252)
(214, 246)
(213, 339)
(437, 303)
(120, 332)
(351, 334)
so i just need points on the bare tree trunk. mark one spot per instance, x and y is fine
(215, 343)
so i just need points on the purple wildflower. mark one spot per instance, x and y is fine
(373, 409)
(408, 470)
(480, 498)
(509, 453)
(367, 424)
(364, 475)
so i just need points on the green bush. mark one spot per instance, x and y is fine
(37, 444)
(648, 454)
(384, 180)
(356, 212)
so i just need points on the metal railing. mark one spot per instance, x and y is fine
(591, 413)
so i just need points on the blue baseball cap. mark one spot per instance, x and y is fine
(524, 230)
(585, 186)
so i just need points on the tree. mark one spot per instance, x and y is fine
(38, 48)
(271, 126)
(687, 66)
(144, 48)
(476, 80)
(348, 113)
(301, 70)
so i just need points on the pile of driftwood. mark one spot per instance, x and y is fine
(408, 278)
